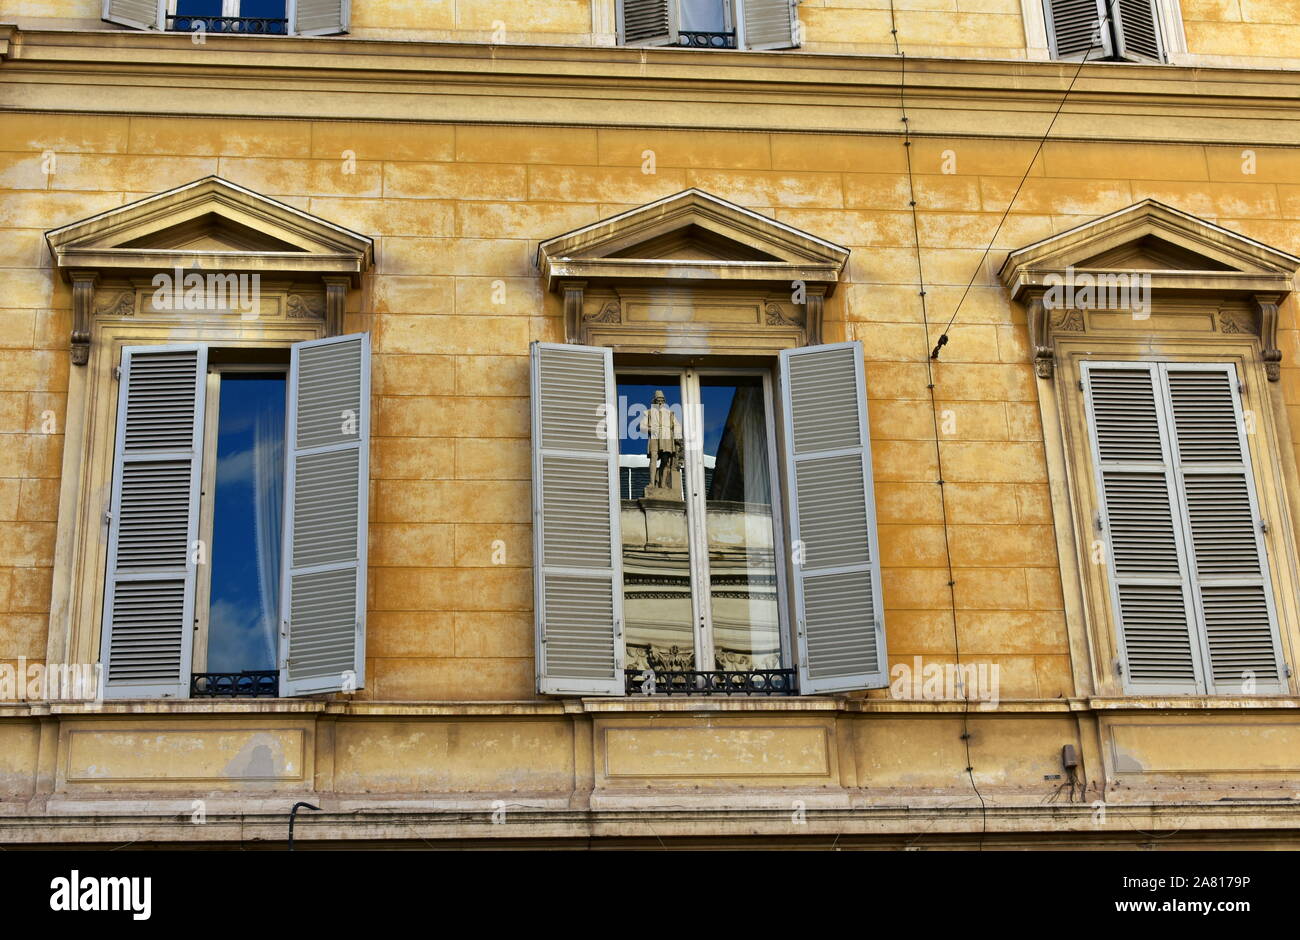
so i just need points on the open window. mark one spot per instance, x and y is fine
(709, 24)
(703, 507)
(232, 17)
(1157, 331)
(220, 441)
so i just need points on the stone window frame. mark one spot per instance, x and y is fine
(1225, 312)
(304, 294)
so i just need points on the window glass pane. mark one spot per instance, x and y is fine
(198, 7)
(741, 536)
(705, 16)
(264, 9)
(659, 629)
(246, 527)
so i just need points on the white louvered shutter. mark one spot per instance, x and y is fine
(1137, 30)
(148, 624)
(138, 14)
(647, 22)
(323, 586)
(1142, 526)
(770, 24)
(318, 17)
(841, 634)
(1229, 566)
(1072, 29)
(578, 548)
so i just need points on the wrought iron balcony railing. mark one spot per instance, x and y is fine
(699, 40)
(257, 684)
(711, 682)
(243, 25)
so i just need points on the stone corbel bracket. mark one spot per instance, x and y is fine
(1266, 309)
(83, 309)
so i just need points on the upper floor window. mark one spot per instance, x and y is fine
(1166, 459)
(704, 516)
(709, 24)
(218, 524)
(238, 17)
(1106, 30)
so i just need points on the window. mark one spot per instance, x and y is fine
(701, 587)
(709, 24)
(238, 516)
(1182, 526)
(1129, 30)
(660, 539)
(242, 17)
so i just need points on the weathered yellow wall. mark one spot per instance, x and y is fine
(455, 209)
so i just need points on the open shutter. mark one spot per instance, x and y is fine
(578, 548)
(770, 24)
(1229, 566)
(148, 624)
(1137, 30)
(838, 605)
(138, 14)
(647, 22)
(1143, 527)
(323, 586)
(318, 17)
(1072, 29)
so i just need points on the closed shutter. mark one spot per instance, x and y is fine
(323, 586)
(838, 605)
(318, 17)
(148, 624)
(647, 22)
(1137, 30)
(1072, 29)
(138, 14)
(1144, 534)
(1229, 566)
(770, 24)
(578, 550)
(1188, 568)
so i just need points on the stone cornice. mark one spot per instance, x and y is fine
(361, 79)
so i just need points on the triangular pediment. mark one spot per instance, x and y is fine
(216, 224)
(696, 236)
(1176, 248)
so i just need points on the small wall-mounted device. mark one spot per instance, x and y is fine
(1069, 759)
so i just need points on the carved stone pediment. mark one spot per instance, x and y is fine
(210, 225)
(1150, 270)
(693, 245)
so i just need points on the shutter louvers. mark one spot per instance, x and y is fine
(1228, 562)
(318, 17)
(1143, 527)
(1073, 31)
(647, 22)
(578, 548)
(836, 566)
(148, 622)
(323, 585)
(770, 24)
(1137, 33)
(137, 14)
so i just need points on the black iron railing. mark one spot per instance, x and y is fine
(251, 25)
(256, 684)
(699, 40)
(711, 682)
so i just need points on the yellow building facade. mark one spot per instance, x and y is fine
(452, 191)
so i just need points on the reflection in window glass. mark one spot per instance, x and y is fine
(245, 555)
(703, 16)
(738, 494)
(659, 620)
